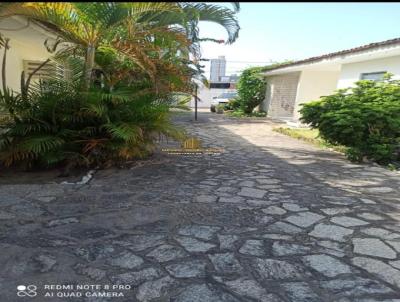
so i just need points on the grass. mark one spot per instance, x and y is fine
(310, 136)
(240, 113)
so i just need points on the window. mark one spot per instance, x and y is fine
(220, 85)
(228, 95)
(374, 76)
(47, 71)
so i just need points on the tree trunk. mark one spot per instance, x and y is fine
(89, 63)
(3, 67)
(25, 84)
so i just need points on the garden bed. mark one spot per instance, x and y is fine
(310, 136)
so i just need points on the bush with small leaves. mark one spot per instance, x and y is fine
(233, 104)
(220, 108)
(365, 118)
(251, 89)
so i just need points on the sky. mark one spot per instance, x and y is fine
(273, 32)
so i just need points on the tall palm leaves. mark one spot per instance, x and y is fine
(61, 125)
(196, 12)
(90, 25)
(132, 28)
(141, 52)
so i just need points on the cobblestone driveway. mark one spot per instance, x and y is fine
(272, 219)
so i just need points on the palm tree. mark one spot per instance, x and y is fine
(129, 28)
(206, 12)
(191, 14)
(90, 25)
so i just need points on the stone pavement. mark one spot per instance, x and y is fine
(271, 219)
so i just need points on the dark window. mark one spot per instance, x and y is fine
(374, 76)
(220, 85)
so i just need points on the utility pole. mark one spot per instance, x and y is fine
(196, 86)
(195, 101)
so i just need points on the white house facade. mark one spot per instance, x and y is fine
(303, 81)
(26, 48)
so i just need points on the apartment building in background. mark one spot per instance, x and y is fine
(217, 69)
(219, 83)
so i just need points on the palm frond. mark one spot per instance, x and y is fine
(124, 131)
(40, 144)
(119, 69)
(216, 14)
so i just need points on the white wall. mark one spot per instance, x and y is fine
(315, 83)
(312, 85)
(25, 44)
(281, 95)
(206, 95)
(351, 72)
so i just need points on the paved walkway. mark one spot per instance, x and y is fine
(272, 219)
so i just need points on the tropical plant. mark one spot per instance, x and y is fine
(144, 32)
(251, 89)
(125, 27)
(366, 119)
(60, 124)
(126, 65)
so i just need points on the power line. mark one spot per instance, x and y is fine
(228, 70)
(260, 62)
(251, 62)
(229, 61)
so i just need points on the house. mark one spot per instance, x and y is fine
(292, 84)
(27, 48)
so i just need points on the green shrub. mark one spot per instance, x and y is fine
(365, 118)
(220, 108)
(258, 114)
(233, 104)
(251, 89)
(240, 113)
(237, 113)
(62, 125)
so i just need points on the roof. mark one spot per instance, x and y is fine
(339, 53)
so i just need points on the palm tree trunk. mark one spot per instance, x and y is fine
(89, 63)
(3, 66)
(25, 84)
